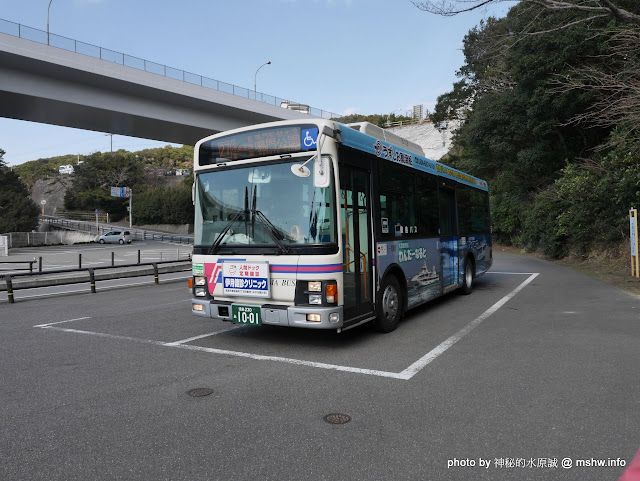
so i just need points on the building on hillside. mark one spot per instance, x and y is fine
(418, 113)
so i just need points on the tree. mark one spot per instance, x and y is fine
(165, 205)
(589, 10)
(610, 73)
(18, 213)
(550, 98)
(94, 178)
(614, 77)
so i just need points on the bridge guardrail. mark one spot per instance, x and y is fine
(59, 277)
(71, 45)
(101, 229)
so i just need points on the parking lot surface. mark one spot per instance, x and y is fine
(538, 364)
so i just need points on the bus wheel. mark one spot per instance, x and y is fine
(467, 281)
(389, 309)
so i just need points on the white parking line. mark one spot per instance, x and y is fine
(405, 375)
(61, 322)
(417, 366)
(110, 336)
(202, 336)
(299, 362)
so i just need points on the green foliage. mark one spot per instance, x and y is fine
(452, 105)
(142, 171)
(165, 205)
(587, 205)
(162, 158)
(18, 213)
(94, 178)
(517, 132)
(34, 170)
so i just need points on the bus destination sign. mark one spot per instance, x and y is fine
(258, 143)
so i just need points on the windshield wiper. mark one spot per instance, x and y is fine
(223, 233)
(271, 230)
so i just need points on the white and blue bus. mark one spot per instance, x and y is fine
(323, 225)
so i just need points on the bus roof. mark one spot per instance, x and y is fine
(394, 153)
(376, 145)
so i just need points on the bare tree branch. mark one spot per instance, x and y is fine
(615, 78)
(595, 7)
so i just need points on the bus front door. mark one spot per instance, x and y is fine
(356, 242)
(448, 238)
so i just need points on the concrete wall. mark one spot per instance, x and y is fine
(53, 237)
(183, 229)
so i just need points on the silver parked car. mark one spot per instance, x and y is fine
(115, 237)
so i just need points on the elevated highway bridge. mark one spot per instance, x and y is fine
(65, 82)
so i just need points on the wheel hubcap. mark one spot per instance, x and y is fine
(390, 302)
(468, 276)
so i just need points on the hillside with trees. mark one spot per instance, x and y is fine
(159, 195)
(18, 213)
(548, 97)
(146, 174)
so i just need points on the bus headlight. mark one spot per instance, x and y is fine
(200, 281)
(200, 292)
(314, 286)
(315, 299)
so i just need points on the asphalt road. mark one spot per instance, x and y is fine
(527, 371)
(94, 255)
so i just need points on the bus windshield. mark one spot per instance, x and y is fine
(262, 205)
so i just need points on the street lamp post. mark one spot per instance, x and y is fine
(392, 113)
(111, 135)
(48, 8)
(255, 78)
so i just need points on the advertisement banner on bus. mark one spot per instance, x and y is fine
(248, 279)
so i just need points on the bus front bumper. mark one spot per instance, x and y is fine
(292, 316)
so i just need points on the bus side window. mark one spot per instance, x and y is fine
(465, 210)
(397, 200)
(447, 213)
(428, 194)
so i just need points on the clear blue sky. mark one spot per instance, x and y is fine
(344, 56)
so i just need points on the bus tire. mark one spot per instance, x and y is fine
(467, 280)
(389, 309)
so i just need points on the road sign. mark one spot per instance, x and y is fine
(43, 202)
(121, 192)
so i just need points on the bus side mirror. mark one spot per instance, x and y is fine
(321, 171)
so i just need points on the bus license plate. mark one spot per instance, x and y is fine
(246, 315)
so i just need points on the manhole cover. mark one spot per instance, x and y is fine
(337, 418)
(200, 392)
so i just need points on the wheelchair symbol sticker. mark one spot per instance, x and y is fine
(309, 138)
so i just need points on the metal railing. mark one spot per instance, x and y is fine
(30, 263)
(56, 278)
(71, 45)
(101, 229)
